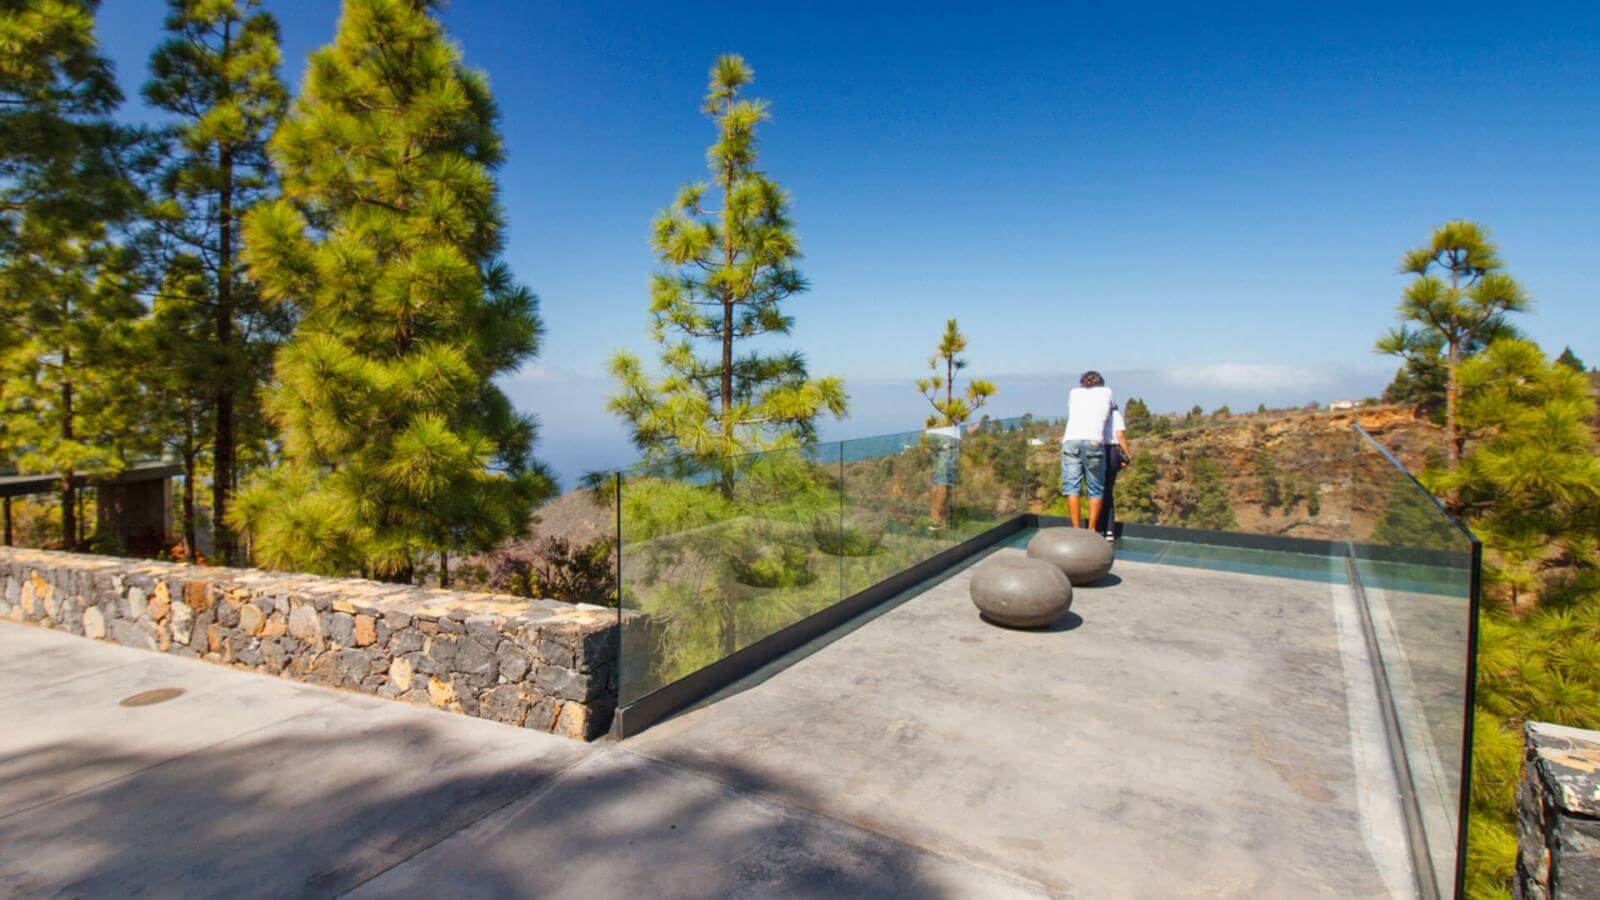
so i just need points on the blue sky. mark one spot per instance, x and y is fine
(1206, 205)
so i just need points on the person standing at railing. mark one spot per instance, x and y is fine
(1118, 457)
(1083, 452)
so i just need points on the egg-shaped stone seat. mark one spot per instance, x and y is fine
(1083, 555)
(1020, 592)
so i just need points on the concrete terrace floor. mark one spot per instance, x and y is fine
(1186, 732)
(251, 786)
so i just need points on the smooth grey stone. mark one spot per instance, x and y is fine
(1082, 554)
(1021, 592)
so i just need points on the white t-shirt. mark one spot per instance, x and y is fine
(1114, 427)
(1088, 411)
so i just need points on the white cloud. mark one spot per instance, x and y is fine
(1251, 376)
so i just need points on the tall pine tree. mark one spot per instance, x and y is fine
(217, 72)
(728, 258)
(1457, 312)
(67, 284)
(397, 445)
(726, 274)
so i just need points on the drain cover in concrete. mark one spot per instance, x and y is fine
(148, 698)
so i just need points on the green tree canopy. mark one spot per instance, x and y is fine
(1571, 360)
(952, 409)
(68, 286)
(1213, 509)
(1530, 482)
(217, 73)
(396, 443)
(728, 255)
(1456, 305)
(1136, 416)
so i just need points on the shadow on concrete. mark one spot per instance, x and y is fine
(1067, 622)
(303, 809)
(1109, 581)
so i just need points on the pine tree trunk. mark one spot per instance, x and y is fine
(69, 493)
(223, 449)
(726, 407)
(444, 568)
(190, 542)
(1451, 397)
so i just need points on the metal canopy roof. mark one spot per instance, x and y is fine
(12, 485)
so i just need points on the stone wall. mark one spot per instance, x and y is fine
(1558, 814)
(538, 664)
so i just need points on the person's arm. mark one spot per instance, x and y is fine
(1127, 452)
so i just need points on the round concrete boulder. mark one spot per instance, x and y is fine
(1021, 592)
(1083, 555)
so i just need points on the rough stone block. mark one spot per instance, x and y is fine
(365, 630)
(473, 658)
(341, 629)
(94, 623)
(251, 619)
(305, 625)
(1558, 813)
(514, 661)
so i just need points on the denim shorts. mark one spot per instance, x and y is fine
(1083, 466)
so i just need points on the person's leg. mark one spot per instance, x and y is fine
(1106, 522)
(1072, 477)
(1094, 461)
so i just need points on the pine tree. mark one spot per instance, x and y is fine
(67, 284)
(726, 274)
(1455, 315)
(1136, 489)
(1212, 508)
(218, 73)
(1530, 484)
(728, 258)
(952, 409)
(397, 445)
(1571, 361)
(170, 375)
(1273, 492)
(1136, 417)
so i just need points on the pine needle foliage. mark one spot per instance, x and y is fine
(217, 72)
(952, 409)
(726, 274)
(68, 286)
(1457, 303)
(397, 445)
(1530, 482)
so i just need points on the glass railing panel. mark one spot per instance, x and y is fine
(720, 555)
(1416, 567)
(1004, 471)
(899, 495)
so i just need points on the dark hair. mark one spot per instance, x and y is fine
(1092, 378)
